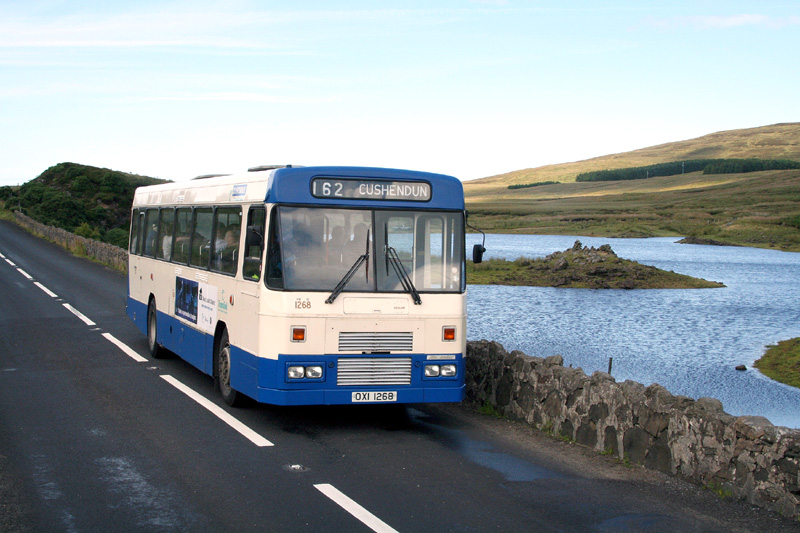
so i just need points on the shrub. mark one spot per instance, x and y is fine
(117, 237)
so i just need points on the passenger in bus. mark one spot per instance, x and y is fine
(228, 253)
(166, 242)
(359, 236)
(357, 245)
(220, 243)
(150, 241)
(336, 244)
(274, 264)
(180, 249)
(298, 249)
(232, 237)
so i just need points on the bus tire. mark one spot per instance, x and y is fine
(156, 350)
(229, 394)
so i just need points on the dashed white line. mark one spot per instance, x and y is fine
(124, 347)
(343, 501)
(78, 314)
(45, 289)
(217, 411)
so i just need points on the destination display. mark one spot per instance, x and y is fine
(370, 189)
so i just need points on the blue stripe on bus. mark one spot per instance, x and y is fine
(272, 386)
(195, 347)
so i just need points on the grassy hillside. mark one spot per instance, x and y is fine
(779, 141)
(753, 209)
(90, 201)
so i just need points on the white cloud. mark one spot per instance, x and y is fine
(727, 21)
(238, 96)
(490, 2)
(208, 28)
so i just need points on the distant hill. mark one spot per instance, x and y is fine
(90, 201)
(778, 141)
(754, 208)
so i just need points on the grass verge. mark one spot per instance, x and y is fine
(781, 362)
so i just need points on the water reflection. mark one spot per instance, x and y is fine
(687, 340)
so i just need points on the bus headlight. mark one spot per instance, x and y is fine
(448, 371)
(296, 372)
(313, 372)
(440, 371)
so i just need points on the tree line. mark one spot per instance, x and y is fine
(527, 185)
(707, 166)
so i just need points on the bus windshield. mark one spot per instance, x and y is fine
(314, 249)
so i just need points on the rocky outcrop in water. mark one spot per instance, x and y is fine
(585, 268)
(709, 242)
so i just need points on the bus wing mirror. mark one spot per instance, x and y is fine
(255, 236)
(478, 249)
(477, 253)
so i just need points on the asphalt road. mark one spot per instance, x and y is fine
(96, 436)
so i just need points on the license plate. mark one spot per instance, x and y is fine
(373, 396)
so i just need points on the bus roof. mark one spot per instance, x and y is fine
(324, 185)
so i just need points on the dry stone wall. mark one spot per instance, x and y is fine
(746, 457)
(105, 253)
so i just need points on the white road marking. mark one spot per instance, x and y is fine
(366, 518)
(125, 348)
(45, 289)
(24, 273)
(217, 411)
(10, 262)
(78, 314)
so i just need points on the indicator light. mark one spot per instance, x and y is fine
(298, 333)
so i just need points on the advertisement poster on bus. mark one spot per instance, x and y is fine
(186, 299)
(207, 307)
(196, 302)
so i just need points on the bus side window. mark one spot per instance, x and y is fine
(254, 244)
(202, 229)
(180, 244)
(274, 261)
(136, 223)
(150, 232)
(228, 224)
(164, 244)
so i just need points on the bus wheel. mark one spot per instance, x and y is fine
(152, 332)
(231, 397)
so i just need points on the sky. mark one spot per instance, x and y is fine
(471, 88)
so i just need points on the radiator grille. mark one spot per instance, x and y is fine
(376, 342)
(374, 371)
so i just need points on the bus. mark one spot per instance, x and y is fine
(306, 285)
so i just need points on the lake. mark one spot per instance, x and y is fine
(688, 340)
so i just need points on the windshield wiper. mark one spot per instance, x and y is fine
(350, 273)
(399, 269)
